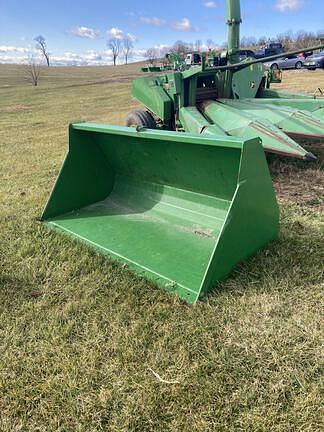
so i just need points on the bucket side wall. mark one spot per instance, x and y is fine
(85, 177)
(253, 218)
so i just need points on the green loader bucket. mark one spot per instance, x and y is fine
(178, 208)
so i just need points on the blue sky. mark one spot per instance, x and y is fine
(77, 31)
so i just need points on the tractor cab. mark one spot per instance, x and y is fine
(193, 58)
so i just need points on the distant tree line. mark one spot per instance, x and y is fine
(290, 40)
(179, 47)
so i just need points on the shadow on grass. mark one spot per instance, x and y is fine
(293, 260)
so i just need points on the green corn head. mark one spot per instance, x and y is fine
(234, 99)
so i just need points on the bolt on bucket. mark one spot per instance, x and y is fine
(180, 209)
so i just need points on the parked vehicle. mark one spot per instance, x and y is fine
(315, 61)
(269, 50)
(245, 53)
(193, 58)
(290, 62)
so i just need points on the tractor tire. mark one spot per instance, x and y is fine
(298, 65)
(274, 66)
(140, 118)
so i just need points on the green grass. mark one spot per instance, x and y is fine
(79, 333)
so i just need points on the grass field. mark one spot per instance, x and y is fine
(81, 337)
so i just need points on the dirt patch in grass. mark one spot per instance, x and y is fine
(302, 188)
(299, 182)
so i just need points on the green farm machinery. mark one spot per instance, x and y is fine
(234, 99)
(185, 193)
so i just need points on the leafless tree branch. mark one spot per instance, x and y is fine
(32, 71)
(42, 47)
(115, 45)
(127, 48)
(152, 55)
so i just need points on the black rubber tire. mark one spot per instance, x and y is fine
(298, 65)
(140, 118)
(274, 66)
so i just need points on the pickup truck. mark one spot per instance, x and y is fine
(269, 50)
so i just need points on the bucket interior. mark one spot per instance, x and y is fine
(158, 206)
(168, 232)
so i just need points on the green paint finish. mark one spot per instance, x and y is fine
(246, 82)
(233, 21)
(150, 92)
(291, 121)
(194, 122)
(177, 98)
(253, 218)
(180, 209)
(314, 106)
(245, 125)
(269, 93)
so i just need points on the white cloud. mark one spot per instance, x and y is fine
(89, 58)
(184, 25)
(210, 4)
(7, 59)
(158, 22)
(69, 58)
(162, 46)
(85, 32)
(12, 49)
(131, 37)
(116, 33)
(288, 5)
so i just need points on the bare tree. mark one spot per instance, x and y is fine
(180, 47)
(248, 42)
(127, 48)
(210, 44)
(115, 44)
(290, 40)
(152, 54)
(42, 47)
(262, 41)
(198, 45)
(32, 71)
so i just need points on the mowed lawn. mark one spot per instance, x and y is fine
(82, 339)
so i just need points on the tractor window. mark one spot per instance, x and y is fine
(196, 58)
